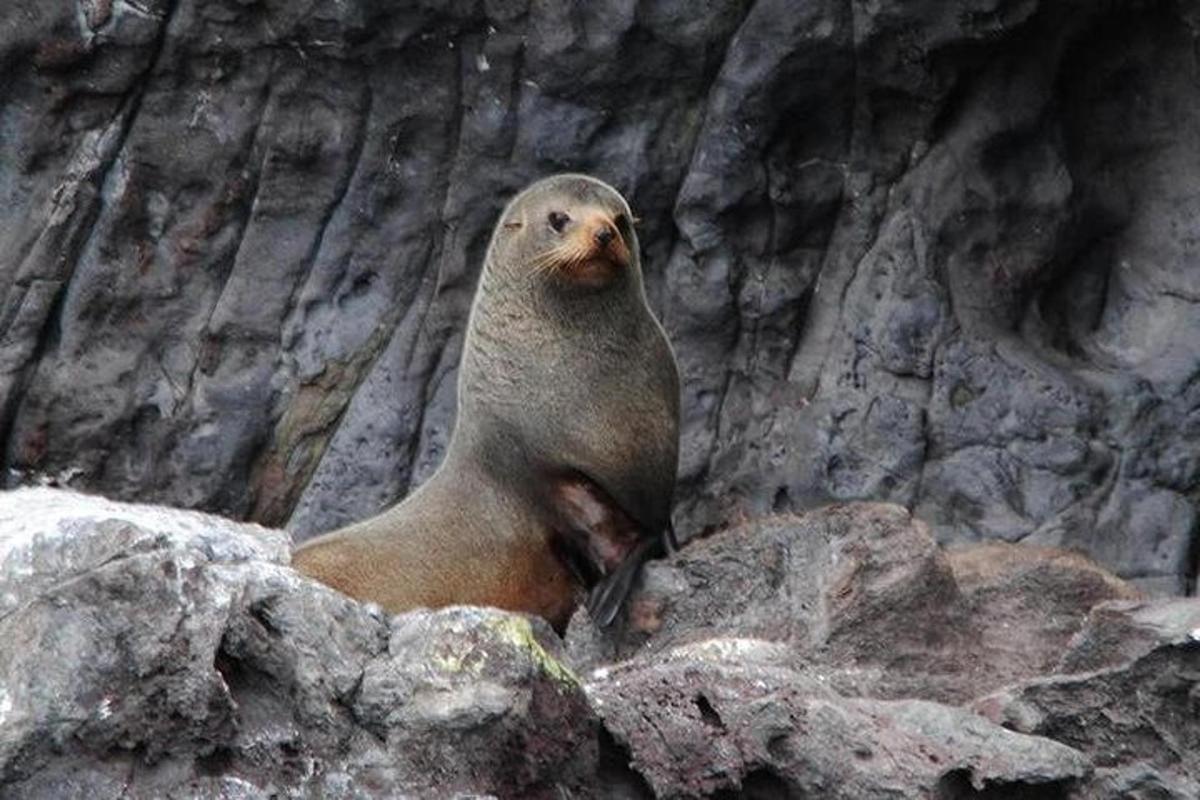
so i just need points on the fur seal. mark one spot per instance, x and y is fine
(560, 471)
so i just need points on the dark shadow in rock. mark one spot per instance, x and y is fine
(956, 785)
(762, 783)
(615, 774)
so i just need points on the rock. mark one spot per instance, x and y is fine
(157, 653)
(1138, 782)
(1028, 602)
(48, 539)
(937, 254)
(1118, 632)
(834, 578)
(153, 652)
(720, 716)
(863, 590)
(1128, 696)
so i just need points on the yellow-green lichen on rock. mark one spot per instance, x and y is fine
(518, 632)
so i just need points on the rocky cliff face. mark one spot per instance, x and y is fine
(149, 652)
(941, 254)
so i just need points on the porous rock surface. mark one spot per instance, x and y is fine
(939, 254)
(1129, 697)
(157, 653)
(149, 652)
(863, 591)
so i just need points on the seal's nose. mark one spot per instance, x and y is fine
(605, 234)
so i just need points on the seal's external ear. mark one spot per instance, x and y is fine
(513, 224)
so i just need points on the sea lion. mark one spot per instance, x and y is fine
(560, 470)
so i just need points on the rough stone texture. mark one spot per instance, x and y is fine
(155, 653)
(864, 593)
(707, 718)
(1118, 632)
(941, 254)
(149, 652)
(1028, 602)
(160, 653)
(1130, 698)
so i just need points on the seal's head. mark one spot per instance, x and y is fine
(572, 230)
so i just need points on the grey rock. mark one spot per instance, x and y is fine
(938, 254)
(863, 591)
(159, 653)
(717, 716)
(1130, 702)
(1137, 782)
(1117, 632)
(152, 652)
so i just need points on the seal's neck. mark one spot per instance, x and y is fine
(532, 354)
(525, 322)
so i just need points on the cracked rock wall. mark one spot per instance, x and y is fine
(938, 254)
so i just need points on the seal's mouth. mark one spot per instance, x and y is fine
(591, 253)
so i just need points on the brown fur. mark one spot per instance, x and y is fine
(560, 471)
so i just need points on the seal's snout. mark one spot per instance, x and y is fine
(606, 240)
(605, 234)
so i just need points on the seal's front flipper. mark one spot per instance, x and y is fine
(606, 599)
(592, 528)
(603, 545)
(670, 543)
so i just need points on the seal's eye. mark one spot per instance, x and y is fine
(558, 220)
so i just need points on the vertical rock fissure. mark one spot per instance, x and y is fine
(74, 230)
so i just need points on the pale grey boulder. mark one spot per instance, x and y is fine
(166, 653)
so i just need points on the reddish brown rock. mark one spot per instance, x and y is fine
(1128, 697)
(727, 717)
(863, 590)
(1027, 602)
